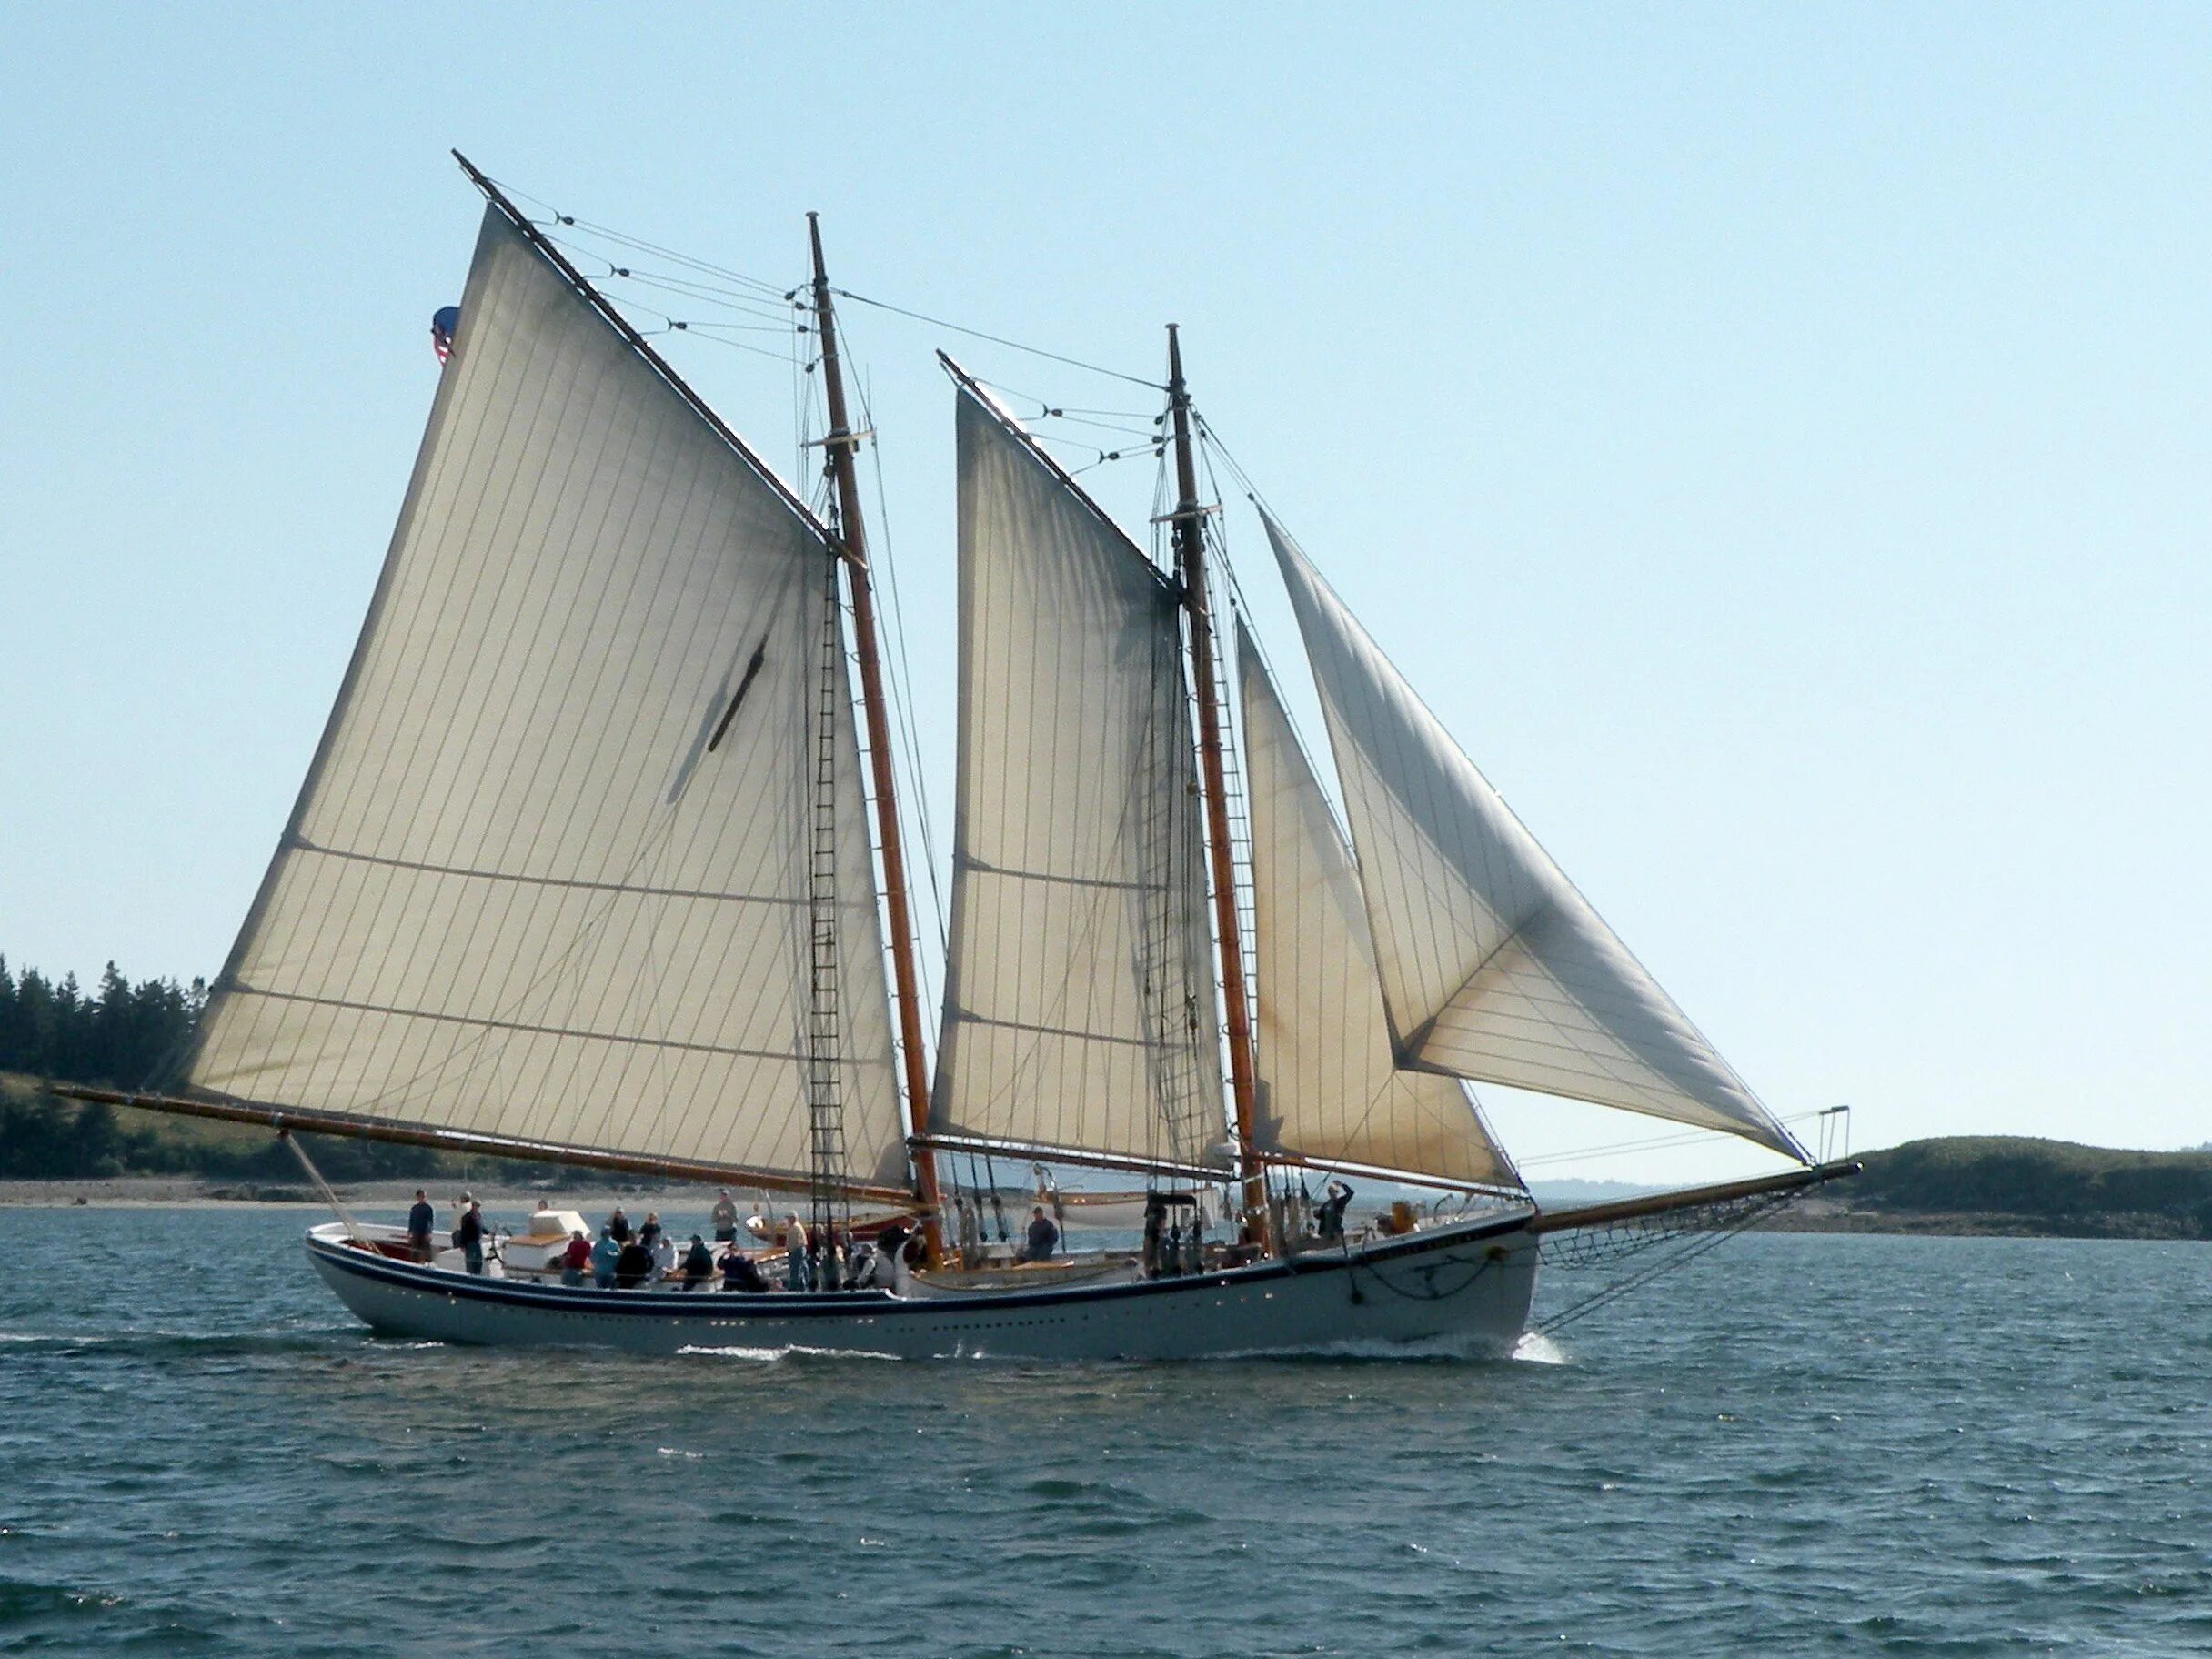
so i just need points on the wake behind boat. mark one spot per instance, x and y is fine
(592, 865)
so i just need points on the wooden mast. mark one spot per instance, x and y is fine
(1190, 568)
(853, 543)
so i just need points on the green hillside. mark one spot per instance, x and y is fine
(2014, 1184)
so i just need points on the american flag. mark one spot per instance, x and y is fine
(442, 326)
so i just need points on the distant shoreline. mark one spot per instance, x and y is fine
(1820, 1214)
(183, 1192)
(1826, 1215)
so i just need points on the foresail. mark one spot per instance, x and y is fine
(1331, 1091)
(1492, 965)
(1078, 995)
(526, 890)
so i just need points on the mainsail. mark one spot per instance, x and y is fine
(1079, 997)
(550, 876)
(1331, 1091)
(1492, 966)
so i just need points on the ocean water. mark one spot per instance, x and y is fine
(1793, 1445)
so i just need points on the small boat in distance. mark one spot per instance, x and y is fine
(592, 865)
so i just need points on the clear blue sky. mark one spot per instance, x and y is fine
(1774, 438)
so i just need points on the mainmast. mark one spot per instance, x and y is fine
(1189, 519)
(839, 445)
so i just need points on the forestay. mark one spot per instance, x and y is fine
(519, 895)
(1331, 1091)
(1492, 965)
(1079, 997)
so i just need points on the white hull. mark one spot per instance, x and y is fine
(1461, 1289)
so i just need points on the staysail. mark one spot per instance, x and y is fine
(1492, 965)
(1331, 1091)
(1079, 997)
(549, 877)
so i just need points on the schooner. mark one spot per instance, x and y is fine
(593, 865)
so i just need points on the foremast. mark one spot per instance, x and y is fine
(1190, 542)
(838, 446)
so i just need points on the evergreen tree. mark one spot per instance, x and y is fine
(10, 1019)
(35, 1018)
(66, 1055)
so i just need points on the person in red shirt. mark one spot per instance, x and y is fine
(575, 1259)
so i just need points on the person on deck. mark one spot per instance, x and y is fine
(864, 1269)
(469, 1234)
(420, 1219)
(605, 1257)
(664, 1251)
(798, 1271)
(739, 1272)
(1155, 1227)
(617, 1225)
(699, 1264)
(649, 1235)
(725, 1218)
(633, 1267)
(575, 1259)
(1329, 1214)
(1043, 1242)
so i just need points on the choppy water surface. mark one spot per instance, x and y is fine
(1794, 1445)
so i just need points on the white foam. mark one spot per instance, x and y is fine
(1534, 1348)
(768, 1355)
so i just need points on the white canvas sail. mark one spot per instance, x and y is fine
(1331, 1091)
(1492, 965)
(1079, 996)
(519, 894)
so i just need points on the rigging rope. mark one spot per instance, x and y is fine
(764, 292)
(1035, 351)
(1723, 1221)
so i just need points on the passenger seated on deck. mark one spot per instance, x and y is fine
(1043, 1242)
(864, 1268)
(699, 1264)
(634, 1267)
(740, 1272)
(605, 1256)
(664, 1251)
(575, 1259)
